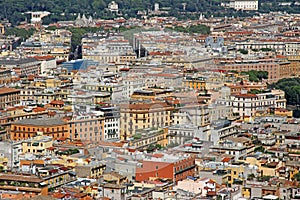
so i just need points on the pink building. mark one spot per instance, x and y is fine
(204, 187)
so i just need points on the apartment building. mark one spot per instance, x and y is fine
(9, 97)
(237, 147)
(276, 70)
(37, 145)
(191, 113)
(100, 125)
(94, 169)
(48, 63)
(5, 76)
(148, 138)
(22, 66)
(174, 167)
(114, 49)
(247, 104)
(220, 130)
(163, 79)
(30, 185)
(87, 127)
(28, 128)
(54, 43)
(132, 84)
(196, 83)
(111, 128)
(180, 133)
(143, 115)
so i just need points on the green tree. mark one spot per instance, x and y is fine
(259, 149)
(297, 177)
(256, 76)
(291, 87)
(20, 32)
(243, 51)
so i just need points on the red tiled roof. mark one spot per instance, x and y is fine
(246, 95)
(131, 150)
(157, 155)
(48, 57)
(58, 195)
(39, 109)
(226, 159)
(57, 102)
(6, 90)
(51, 148)
(121, 158)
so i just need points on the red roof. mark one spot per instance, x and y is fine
(157, 155)
(121, 158)
(246, 95)
(57, 102)
(51, 148)
(39, 109)
(131, 150)
(48, 57)
(226, 159)
(58, 195)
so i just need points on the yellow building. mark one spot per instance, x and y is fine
(143, 115)
(61, 53)
(265, 167)
(70, 161)
(93, 169)
(152, 93)
(37, 144)
(3, 162)
(236, 174)
(283, 112)
(53, 83)
(196, 83)
(280, 137)
(56, 176)
(115, 178)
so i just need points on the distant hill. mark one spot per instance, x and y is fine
(15, 10)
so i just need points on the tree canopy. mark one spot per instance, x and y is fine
(203, 29)
(291, 87)
(20, 32)
(256, 76)
(15, 10)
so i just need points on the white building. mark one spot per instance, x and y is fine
(248, 104)
(244, 4)
(221, 130)
(36, 17)
(132, 84)
(113, 7)
(111, 123)
(179, 134)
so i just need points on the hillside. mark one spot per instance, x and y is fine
(15, 10)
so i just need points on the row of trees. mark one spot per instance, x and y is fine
(193, 29)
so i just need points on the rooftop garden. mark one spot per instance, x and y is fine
(67, 152)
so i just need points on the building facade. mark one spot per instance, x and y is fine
(9, 97)
(28, 128)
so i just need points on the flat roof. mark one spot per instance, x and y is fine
(5, 90)
(15, 177)
(41, 122)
